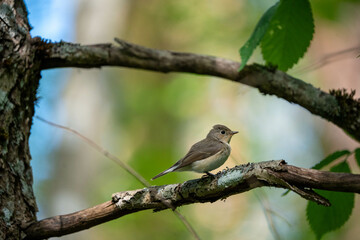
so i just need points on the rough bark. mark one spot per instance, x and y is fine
(209, 189)
(19, 77)
(22, 59)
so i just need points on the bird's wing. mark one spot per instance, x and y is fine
(200, 151)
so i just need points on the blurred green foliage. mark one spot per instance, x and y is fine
(325, 219)
(332, 10)
(157, 117)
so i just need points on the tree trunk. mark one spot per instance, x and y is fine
(20, 74)
(22, 58)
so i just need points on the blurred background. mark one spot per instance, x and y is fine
(150, 120)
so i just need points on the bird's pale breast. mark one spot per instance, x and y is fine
(212, 162)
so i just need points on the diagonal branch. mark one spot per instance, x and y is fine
(123, 165)
(338, 107)
(208, 189)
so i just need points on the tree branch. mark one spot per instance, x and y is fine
(338, 107)
(207, 189)
(123, 165)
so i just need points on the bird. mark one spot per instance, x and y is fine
(207, 154)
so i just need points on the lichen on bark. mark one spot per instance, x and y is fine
(19, 78)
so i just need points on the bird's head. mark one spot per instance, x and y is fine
(221, 133)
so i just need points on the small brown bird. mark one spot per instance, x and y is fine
(206, 155)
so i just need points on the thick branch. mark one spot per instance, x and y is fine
(226, 183)
(343, 111)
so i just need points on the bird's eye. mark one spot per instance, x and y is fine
(222, 132)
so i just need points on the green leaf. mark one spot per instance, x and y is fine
(255, 38)
(325, 219)
(329, 159)
(357, 156)
(289, 34)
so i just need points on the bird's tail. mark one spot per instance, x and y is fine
(164, 172)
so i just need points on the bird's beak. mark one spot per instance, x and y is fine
(234, 132)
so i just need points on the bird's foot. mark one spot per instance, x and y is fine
(208, 174)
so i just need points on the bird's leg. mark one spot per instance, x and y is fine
(209, 174)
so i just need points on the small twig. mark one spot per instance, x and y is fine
(106, 153)
(328, 58)
(125, 166)
(268, 218)
(187, 224)
(271, 210)
(307, 194)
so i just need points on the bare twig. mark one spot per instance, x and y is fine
(266, 209)
(329, 58)
(187, 224)
(106, 153)
(125, 166)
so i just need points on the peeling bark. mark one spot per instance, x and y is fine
(208, 189)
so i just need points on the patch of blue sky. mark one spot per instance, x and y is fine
(53, 20)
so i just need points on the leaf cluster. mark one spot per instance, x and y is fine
(325, 219)
(284, 33)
